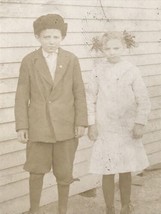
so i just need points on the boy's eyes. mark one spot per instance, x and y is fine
(48, 37)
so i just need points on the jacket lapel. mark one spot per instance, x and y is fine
(42, 67)
(62, 62)
(43, 71)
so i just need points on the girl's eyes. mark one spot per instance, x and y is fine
(107, 49)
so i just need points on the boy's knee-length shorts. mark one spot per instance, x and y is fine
(41, 157)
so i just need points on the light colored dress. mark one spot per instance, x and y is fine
(117, 99)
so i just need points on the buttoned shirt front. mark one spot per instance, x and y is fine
(51, 60)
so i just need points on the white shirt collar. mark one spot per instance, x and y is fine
(45, 54)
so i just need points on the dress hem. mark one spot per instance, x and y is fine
(121, 171)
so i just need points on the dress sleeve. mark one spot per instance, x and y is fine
(142, 98)
(91, 96)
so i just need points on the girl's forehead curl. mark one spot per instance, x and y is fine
(111, 36)
(125, 38)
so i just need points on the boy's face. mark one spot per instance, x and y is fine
(50, 39)
(113, 50)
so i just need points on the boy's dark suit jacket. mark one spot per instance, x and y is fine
(50, 110)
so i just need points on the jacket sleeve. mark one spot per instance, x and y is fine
(79, 97)
(91, 94)
(22, 98)
(142, 99)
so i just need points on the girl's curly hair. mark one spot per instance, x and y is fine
(126, 38)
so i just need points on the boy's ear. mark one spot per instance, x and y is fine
(37, 37)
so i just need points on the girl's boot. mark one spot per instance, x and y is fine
(125, 192)
(110, 210)
(127, 209)
(108, 192)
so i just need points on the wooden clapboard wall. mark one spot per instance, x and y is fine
(85, 18)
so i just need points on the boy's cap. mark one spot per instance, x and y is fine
(50, 21)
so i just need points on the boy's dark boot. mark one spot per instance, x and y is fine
(32, 212)
(35, 184)
(37, 212)
(125, 192)
(63, 193)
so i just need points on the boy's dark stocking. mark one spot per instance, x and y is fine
(35, 185)
(125, 191)
(63, 193)
(108, 188)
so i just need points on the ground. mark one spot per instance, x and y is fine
(146, 197)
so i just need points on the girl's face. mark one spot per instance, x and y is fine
(113, 50)
(50, 39)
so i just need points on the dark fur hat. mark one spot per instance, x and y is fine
(50, 21)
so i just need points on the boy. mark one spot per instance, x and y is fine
(50, 110)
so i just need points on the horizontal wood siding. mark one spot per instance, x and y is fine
(85, 18)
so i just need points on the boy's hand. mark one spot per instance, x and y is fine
(92, 132)
(22, 136)
(79, 131)
(138, 131)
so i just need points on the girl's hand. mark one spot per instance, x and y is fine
(79, 131)
(92, 132)
(138, 131)
(22, 136)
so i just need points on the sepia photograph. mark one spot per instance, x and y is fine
(80, 106)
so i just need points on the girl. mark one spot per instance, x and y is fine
(118, 108)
